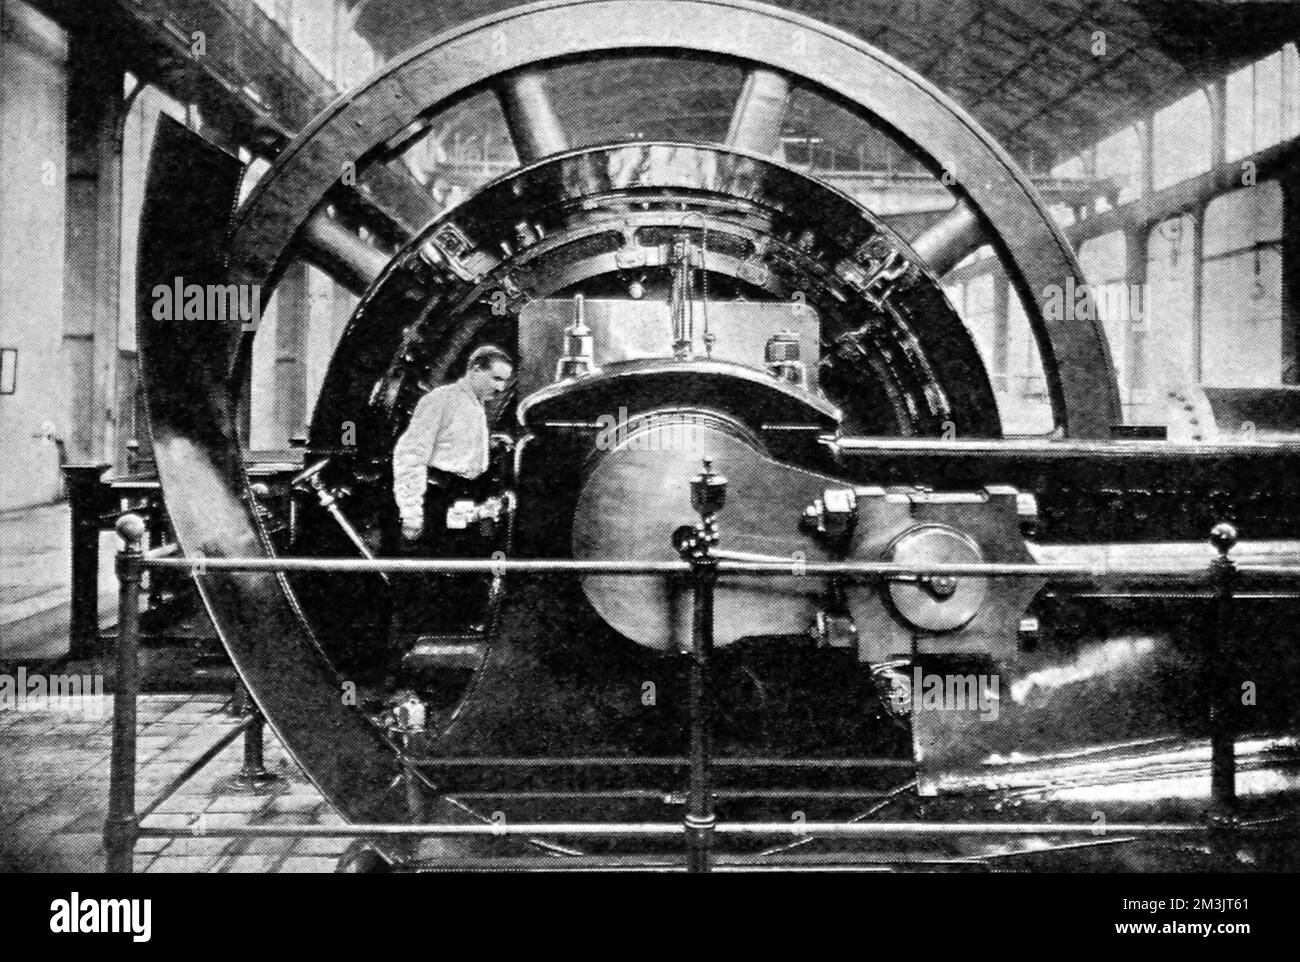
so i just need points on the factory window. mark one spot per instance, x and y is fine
(355, 60)
(321, 33)
(1119, 306)
(1290, 91)
(1262, 103)
(257, 167)
(1241, 314)
(266, 432)
(462, 152)
(975, 298)
(1025, 408)
(979, 316)
(1071, 169)
(956, 294)
(694, 85)
(1181, 147)
(328, 308)
(992, 312)
(1119, 158)
(1063, 214)
(314, 25)
(974, 257)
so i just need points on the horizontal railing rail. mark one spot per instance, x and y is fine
(791, 568)
(704, 565)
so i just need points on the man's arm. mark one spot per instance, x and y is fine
(411, 463)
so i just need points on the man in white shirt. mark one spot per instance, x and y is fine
(441, 458)
(446, 444)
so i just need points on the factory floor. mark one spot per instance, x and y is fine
(54, 763)
(54, 754)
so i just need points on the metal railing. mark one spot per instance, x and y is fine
(703, 564)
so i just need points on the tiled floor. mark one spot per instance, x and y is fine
(54, 763)
(54, 758)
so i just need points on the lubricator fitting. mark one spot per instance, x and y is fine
(579, 356)
(708, 491)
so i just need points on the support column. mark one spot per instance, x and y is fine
(1002, 294)
(1146, 135)
(1217, 94)
(1198, 292)
(1139, 332)
(91, 299)
(1290, 278)
(85, 497)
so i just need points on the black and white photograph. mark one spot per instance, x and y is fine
(664, 436)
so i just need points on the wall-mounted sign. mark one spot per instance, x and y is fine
(8, 370)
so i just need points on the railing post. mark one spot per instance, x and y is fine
(254, 771)
(84, 484)
(700, 819)
(1221, 679)
(708, 494)
(121, 826)
(411, 729)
